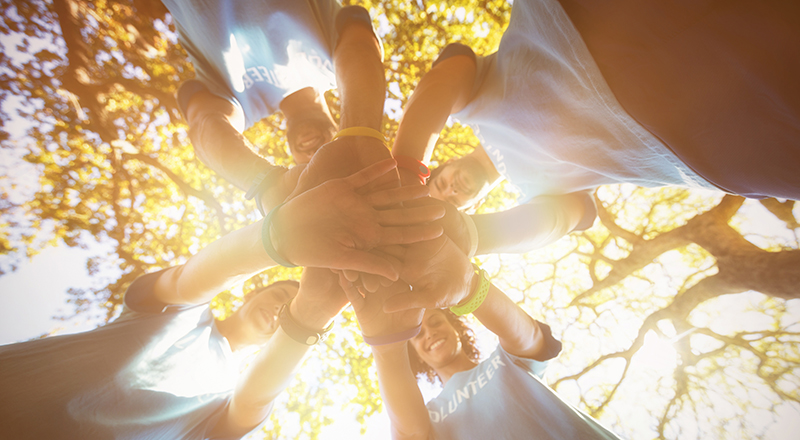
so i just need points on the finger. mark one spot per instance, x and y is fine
(370, 173)
(362, 261)
(409, 234)
(410, 216)
(350, 275)
(372, 282)
(397, 195)
(352, 294)
(406, 301)
(396, 251)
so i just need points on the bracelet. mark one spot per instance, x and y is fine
(476, 298)
(473, 233)
(392, 338)
(263, 180)
(296, 331)
(409, 163)
(266, 240)
(360, 131)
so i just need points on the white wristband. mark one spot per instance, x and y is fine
(473, 234)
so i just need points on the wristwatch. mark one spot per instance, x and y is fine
(298, 332)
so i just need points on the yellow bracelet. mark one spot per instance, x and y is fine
(360, 131)
(476, 298)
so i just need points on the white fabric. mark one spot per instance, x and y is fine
(548, 120)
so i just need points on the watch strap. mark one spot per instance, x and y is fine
(297, 332)
(413, 165)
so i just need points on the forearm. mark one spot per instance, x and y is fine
(400, 393)
(518, 332)
(225, 150)
(266, 377)
(230, 260)
(360, 77)
(530, 226)
(442, 91)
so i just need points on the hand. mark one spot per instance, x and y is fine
(319, 299)
(454, 228)
(452, 222)
(371, 317)
(285, 185)
(333, 226)
(343, 157)
(440, 273)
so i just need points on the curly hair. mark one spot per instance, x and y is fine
(468, 344)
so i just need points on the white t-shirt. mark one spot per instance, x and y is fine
(549, 121)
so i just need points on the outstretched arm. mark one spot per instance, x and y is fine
(318, 301)
(361, 83)
(444, 90)
(538, 223)
(358, 62)
(328, 226)
(404, 404)
(215, 128)
(519, 334)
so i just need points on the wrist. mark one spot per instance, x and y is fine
(478, 294)
(297, 330)
(408, 163)
(408, 177)
(390, 350)
(273, 241)
(312, 314)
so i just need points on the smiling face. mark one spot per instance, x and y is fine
(259, 314)
(306, 133)
(459, 182)
(438, 342)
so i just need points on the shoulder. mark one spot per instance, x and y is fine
(537, 364)
(454, 50)
(140, 297)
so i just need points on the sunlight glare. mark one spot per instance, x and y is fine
(657, 353)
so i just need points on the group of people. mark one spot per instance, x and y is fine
(579, 94)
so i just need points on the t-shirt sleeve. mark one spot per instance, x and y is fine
(589, 213)
(551, 350)
(188, 89)
(453, 50)
(355, 15)
(140, 295)
(482, 64)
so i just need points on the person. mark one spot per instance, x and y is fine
(254, 58)
(693, 94)
(166, 369)
(160, 370)
(502, 397)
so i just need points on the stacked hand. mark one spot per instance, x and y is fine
(372, 318)
(344, 157)
(440, 273)
(320, 298)
(334, 226)
(285, 185)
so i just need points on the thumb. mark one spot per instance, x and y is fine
(367, 262)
